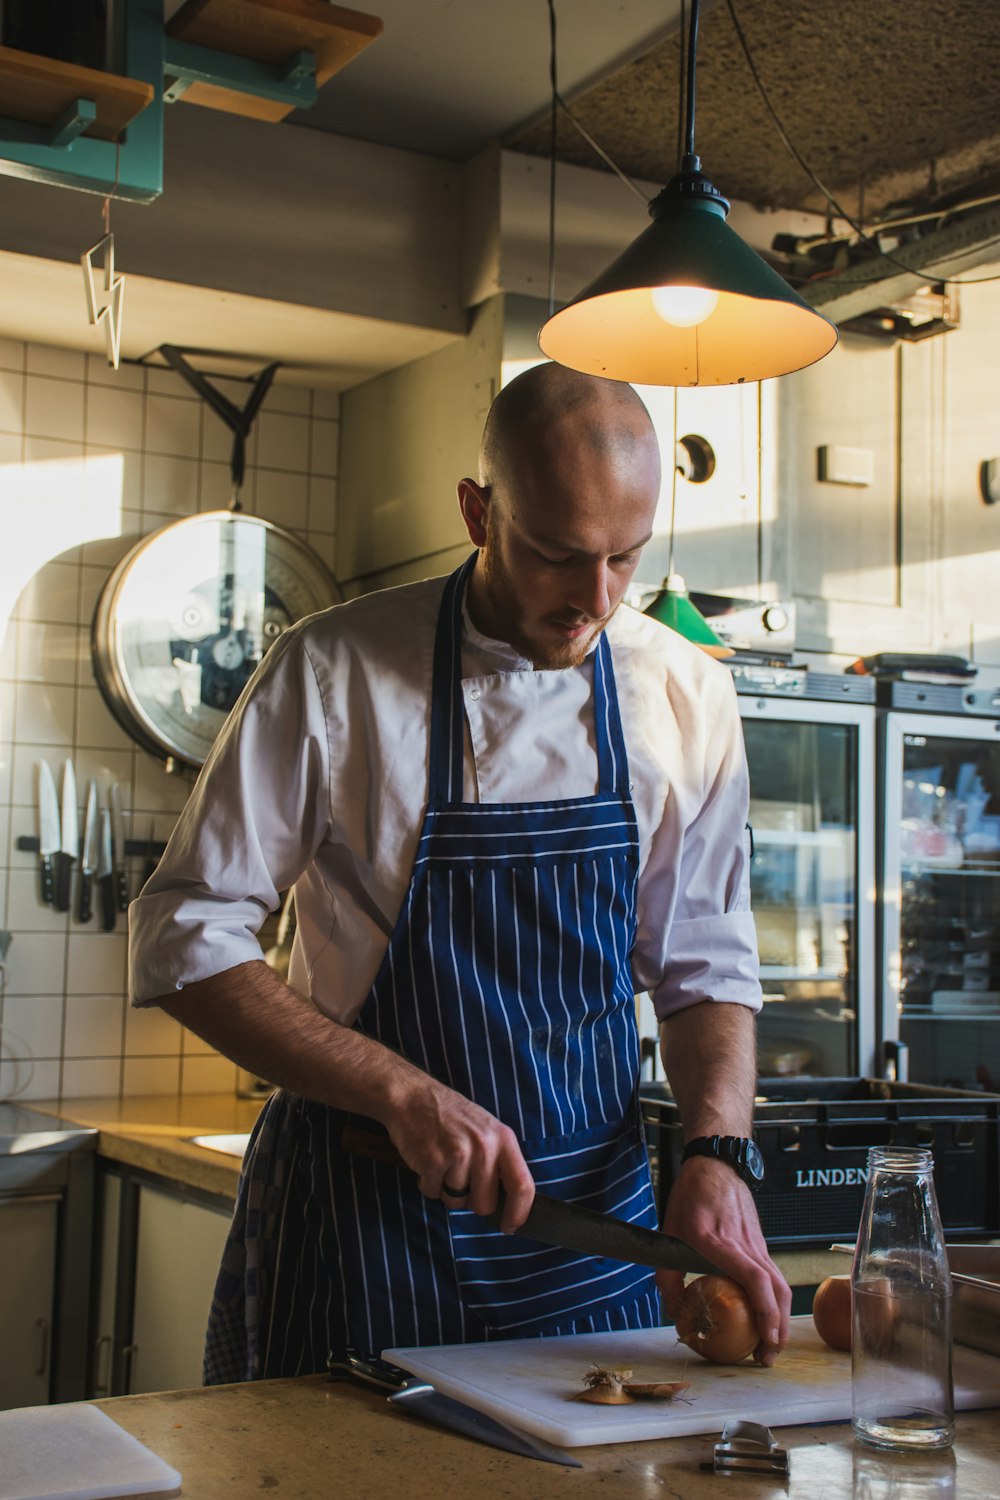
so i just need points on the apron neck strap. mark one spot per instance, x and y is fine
(447, 737)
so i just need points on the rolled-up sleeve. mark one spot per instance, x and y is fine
(696, 937)
(258, 812)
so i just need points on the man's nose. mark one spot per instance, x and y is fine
(591, 594)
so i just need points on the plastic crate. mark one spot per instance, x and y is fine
(815, 1133)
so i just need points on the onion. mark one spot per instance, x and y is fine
(832, 1311)
(715, 1319)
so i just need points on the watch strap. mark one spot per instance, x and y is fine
(735, 1150)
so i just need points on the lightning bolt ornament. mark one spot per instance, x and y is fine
(112, 307)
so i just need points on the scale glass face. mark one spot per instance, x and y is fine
(186, 617)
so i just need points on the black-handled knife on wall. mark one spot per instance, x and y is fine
(69, 841)
(105, 874)
(48, 830)
(118, 846)
(88, 856)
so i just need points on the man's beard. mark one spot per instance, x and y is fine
(544, 655)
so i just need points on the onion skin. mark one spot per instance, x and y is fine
(831, 1312)
(715, 1319)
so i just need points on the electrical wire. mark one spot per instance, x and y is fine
(837, 208)
(553, 134)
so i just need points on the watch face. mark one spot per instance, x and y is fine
(754, 1161)
(186, 617)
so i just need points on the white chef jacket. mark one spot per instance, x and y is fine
(319, 778)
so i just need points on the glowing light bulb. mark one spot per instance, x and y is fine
(684, 306)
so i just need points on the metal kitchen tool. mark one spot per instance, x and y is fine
(423, 1401)
(48, 830)
(105, 874)
(118, 846)
(69, 838)
(748, 1448)
(567, 1225)
(88, 856)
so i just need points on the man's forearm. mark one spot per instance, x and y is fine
(709, 1053)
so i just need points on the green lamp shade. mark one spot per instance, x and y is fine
(759, 327)
(672, 606)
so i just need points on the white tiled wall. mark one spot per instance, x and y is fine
(91, 459)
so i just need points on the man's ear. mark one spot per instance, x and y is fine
(473, 501)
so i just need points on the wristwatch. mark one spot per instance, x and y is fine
(737, 1151)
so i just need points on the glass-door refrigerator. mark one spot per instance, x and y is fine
(810, 740)
(939, 863)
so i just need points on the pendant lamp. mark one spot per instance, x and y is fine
(689, 302)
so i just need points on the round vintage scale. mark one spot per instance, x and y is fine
(187, 615)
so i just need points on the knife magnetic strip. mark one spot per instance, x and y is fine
(29, 843)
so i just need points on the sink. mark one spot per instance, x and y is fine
(230, 1145)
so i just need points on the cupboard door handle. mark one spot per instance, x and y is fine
(42, 1324)
(128, 1354)
(101, 1387)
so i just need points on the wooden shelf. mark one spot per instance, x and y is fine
(38, 90)
(270, 31)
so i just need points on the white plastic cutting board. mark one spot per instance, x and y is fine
(75, 1452)
(528, 1383)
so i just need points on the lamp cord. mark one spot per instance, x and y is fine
(553, 132)
(838, 210)
(692, 56)
(680, 85)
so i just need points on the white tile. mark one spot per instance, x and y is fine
(322, 503)
(216, 437)
(157, 790)
(66, 364)
(43, 714)
(196, 1046)
(27, 913)
(282, 442)
(36, 1021)
(208, 1075)
(96, 963)
(93, 1026)
(93, 581)
(114, 417)
(11, 401)
(104, 767)
(24, 774)
(23, 1080)
(6, 758)
(324, 544)
(53, 408)
(97, 730)
(49, 653)
(325, 447)
(172, 426)
(8, 656)
(151, 1075)
(127, 377)
(170, 485)
(91, 1078)
(215, 487)
(4, 849)
(282, 498)
(166, 382)
(11, 354)
(52, 594)
(56, 450)
(36, 964)
(106, 551)
(326, 404)
(11, 449)
(8, 689)
(294, 399)
(150, 1032)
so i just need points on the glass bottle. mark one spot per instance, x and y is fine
(901, 1298)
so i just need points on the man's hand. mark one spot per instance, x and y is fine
(461, 1153)
(713, 1210)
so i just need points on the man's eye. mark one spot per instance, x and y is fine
(554, 561)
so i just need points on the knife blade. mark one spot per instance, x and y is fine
(568, 1225)
(105, 874)
(422, 1400)
(69, 837)
(48, 830)
(88, 857)
(118, 846)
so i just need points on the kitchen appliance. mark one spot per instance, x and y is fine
(810, 743)
(530, 1383)
(760, 625)
(939, 872)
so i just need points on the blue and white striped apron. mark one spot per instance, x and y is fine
(508, 978)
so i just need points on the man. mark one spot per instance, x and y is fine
(505, 807)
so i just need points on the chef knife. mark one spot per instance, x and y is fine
(105, 874)
(118, 846)
(48, 829)
(69, 837)
(422, 1400)
(88, 857)
(568, 1225)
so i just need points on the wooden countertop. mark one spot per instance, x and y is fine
(299, 1439)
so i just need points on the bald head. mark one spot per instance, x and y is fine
(549, 410)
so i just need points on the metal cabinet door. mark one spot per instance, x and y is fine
(28, 1228)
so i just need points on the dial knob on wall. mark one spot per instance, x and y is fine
(187, 615)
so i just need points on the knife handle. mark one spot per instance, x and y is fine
(48, 884)
(107, 902)
(121, 889)
(61, 899)
(85, 908)
(377, 1372)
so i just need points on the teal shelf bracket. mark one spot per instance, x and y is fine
(292, 83)
(58, 137)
